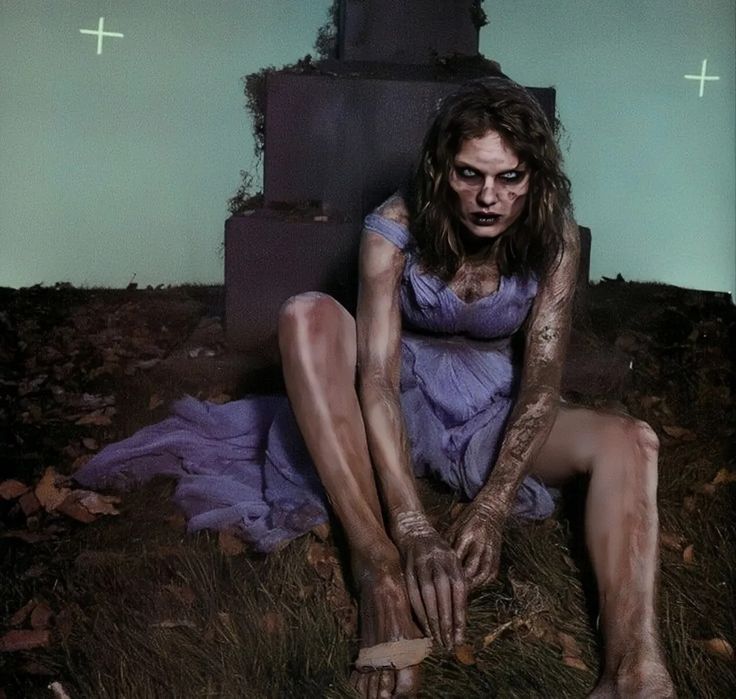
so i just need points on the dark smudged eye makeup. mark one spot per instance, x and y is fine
(509, 177)
(467, 173)
(512, 176)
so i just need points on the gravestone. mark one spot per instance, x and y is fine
(339, 138)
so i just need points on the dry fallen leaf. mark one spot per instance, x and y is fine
(29, 503)
(23, 535)
(51, 490)
(568, 644)
(570, 651)
(220, 398)
(464, 654)
(97, 503)
(24, 639)
(681, 433)
(11, 489)
(670, 541)
(21, 615)
(146, 364)
(178, 521)
(183, 593)
(64, 623)
(74, 510)
(90, 443)
(707, 489)
(724, 476)
(97, 417)
(272, 622)
(322, 560)
(36, 570)
(321, 531)
(717, 647)
(34, 667)
(627, 342)
(229, 543)
(688, 555)
(58, 691)
(80, 461)
(649, 401)
(85, 505)
(41, 616)
(155, 401)
(573, 661)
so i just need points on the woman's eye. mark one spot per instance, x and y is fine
(512, 176)
(467, 173)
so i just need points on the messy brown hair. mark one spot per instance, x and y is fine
(501, 105)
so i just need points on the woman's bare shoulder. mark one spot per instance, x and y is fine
(395, 209)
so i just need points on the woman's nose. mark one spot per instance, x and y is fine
(487, 193)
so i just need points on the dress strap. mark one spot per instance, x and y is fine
(393, 231)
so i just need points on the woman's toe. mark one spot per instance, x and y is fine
(386, 684)
(406, 682)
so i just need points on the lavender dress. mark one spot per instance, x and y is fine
(244, 464)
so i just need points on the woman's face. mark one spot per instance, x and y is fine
(490, 183)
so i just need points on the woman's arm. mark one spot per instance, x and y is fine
(477, 532)
(378, 324)
(434, 578)
(544, 357)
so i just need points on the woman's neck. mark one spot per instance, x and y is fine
(478, 250)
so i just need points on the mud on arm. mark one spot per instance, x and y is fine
(477, 532)
(547, 336)
(434, 577)
(378, 322)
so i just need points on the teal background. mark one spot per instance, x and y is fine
(120, 165)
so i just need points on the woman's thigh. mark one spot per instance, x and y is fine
(578, 436)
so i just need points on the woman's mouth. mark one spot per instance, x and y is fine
(481, 219)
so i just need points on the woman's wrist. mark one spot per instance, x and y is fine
(493, 507)
(409, 524)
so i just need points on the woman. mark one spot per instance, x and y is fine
(483, 245)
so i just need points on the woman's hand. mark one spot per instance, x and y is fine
(434, 578)
(476, 537)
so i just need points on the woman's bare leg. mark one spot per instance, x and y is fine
(622, 530)
(317, 339)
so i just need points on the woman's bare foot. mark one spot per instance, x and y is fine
(639, 676)
(385, 615)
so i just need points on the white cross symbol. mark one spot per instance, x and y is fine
(702, 77)
(100, 33)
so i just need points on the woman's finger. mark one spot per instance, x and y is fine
(443, 591)
(415, 598)
(459, 606)
(429, 597)
(483, 573)
(472, 561)
(461, 543)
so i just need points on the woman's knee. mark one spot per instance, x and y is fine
(635, 441)
(309, 319)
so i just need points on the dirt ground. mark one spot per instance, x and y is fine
(101, 597)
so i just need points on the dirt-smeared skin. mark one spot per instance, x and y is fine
(320, 346)
(358, 442)
(619, 454)
(476, 534)
(385, 616)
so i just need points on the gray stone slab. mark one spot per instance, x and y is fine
(406, 31)
(269, 258)
(347, 142)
